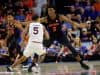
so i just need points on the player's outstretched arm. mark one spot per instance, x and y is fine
(18, 25)
(75, 24)
(43, 20)
(46, 34)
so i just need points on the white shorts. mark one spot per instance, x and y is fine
(32, 48)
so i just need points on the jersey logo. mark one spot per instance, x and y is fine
(56, 20)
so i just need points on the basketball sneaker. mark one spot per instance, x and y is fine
(9, 69)
(84, 66)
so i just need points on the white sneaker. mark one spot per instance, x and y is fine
(36, 69)
(9, 69)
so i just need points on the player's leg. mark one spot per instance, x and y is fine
(27, 53)
(66, 42)
(34, 62)
(38, 58)
(41, 58)
(19, 61)
(59, 55)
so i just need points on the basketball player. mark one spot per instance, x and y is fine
(53, 22)
(36, 33)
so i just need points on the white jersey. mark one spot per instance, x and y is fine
(36, 32)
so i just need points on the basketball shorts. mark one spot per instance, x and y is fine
(33, 48)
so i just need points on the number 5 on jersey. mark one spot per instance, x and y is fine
(35, 30)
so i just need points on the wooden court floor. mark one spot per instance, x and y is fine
(68, 68)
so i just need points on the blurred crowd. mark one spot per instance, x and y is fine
(86, 40)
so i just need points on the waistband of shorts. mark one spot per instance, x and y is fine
(36, 42)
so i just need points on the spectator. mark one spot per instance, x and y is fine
(54, 49)
(29, 3)
(98, 47)
(3, 31)
(3, 48)
(77, 44)
(93, 47)
(74, 14)
(84, 51)
(97, 5)
(1, 15)
(82, 15)
(41, 4)
(20, 15)
(95, 28)
(85, 36)
(81, 49)
(4, 53)
(88, 26)
(91, 13)
(29, 15)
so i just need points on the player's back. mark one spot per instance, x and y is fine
(36, 32)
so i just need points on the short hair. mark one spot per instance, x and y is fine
(52, 7)
(35, 17)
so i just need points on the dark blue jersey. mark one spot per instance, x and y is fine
(54, 26)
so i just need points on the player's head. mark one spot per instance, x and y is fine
(51, 10)
(10, 17)
(35, 17)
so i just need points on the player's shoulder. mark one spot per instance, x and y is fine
(35, 23)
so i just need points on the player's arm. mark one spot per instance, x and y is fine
(43, 19)
(26, 22)
(75, 24)
(18, 25)
(46, 34)
(25, 31)
(24, 35)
